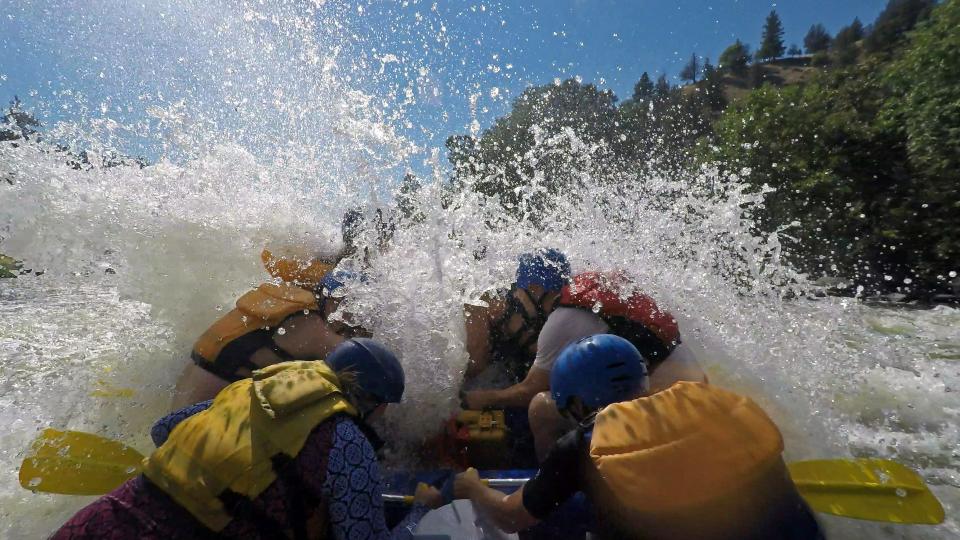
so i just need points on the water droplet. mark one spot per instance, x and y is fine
(281, 331)
(34, 482)
(901, 492)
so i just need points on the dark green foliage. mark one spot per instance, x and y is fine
(834, 174)
(844, 49)
(923, 109)
(757, 75)
(690, 71)
(407, 204)
(855, 29)
(794, 50)
(735, 58)
(897, 18)
(817, 39)
(712, 87)
(17, 123)
(925, 97)
(663, 89)
(643, 90)
(500, 163)
(864, 161)
(771, 45)
(820, 59)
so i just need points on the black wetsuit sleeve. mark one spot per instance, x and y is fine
(559, 477)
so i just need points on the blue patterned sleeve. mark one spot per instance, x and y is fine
(353, 488)
(162, 428)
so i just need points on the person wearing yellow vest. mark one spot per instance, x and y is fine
(272, 323)
(285, 454)
(690, 462)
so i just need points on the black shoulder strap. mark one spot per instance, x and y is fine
(516, 307)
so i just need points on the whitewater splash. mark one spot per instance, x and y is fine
(138, 261)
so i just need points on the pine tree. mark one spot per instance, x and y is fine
(713, 87)
(708, 68)
(643, 90)
(662, 89)
(844, 48)
(772, 44)
(898, 18)
(856, 29)
(794, 50)
(817, 39)
(689, 72)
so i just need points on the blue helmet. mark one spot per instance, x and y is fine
(546, 267)
(336, 279)
(600, 370)
(377, 369)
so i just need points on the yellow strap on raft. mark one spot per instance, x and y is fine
(264, 307)
(303, 272)
(684, 446)
(231, 444)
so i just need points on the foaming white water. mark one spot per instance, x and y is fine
(139, 261)
(829, 371)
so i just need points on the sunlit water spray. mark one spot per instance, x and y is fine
(139, 261)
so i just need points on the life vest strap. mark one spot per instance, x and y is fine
(527, 333)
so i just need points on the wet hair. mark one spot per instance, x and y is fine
(361, 400)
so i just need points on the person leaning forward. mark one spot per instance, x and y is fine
(270, 324)
(690, 462)
(505, 331)
(285, 454)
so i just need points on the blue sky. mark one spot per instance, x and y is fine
(114, 54)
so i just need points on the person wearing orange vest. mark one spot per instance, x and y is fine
(692, 461)
(270, 324)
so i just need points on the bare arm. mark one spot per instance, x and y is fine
(196, 384)
(307, 337)
(505, 511)
(518, 395)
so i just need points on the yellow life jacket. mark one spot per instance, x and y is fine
(685, 447)
(304, 272)
(264, 307)
(230, 445)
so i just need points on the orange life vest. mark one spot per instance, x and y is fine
(602, 293)
(692, 455)
(265, 307)
(305, 273)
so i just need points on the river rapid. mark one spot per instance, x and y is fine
(137, 261)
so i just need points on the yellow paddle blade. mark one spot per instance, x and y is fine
(77, 463)
(871, 489)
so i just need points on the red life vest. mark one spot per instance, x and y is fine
(631, 315)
